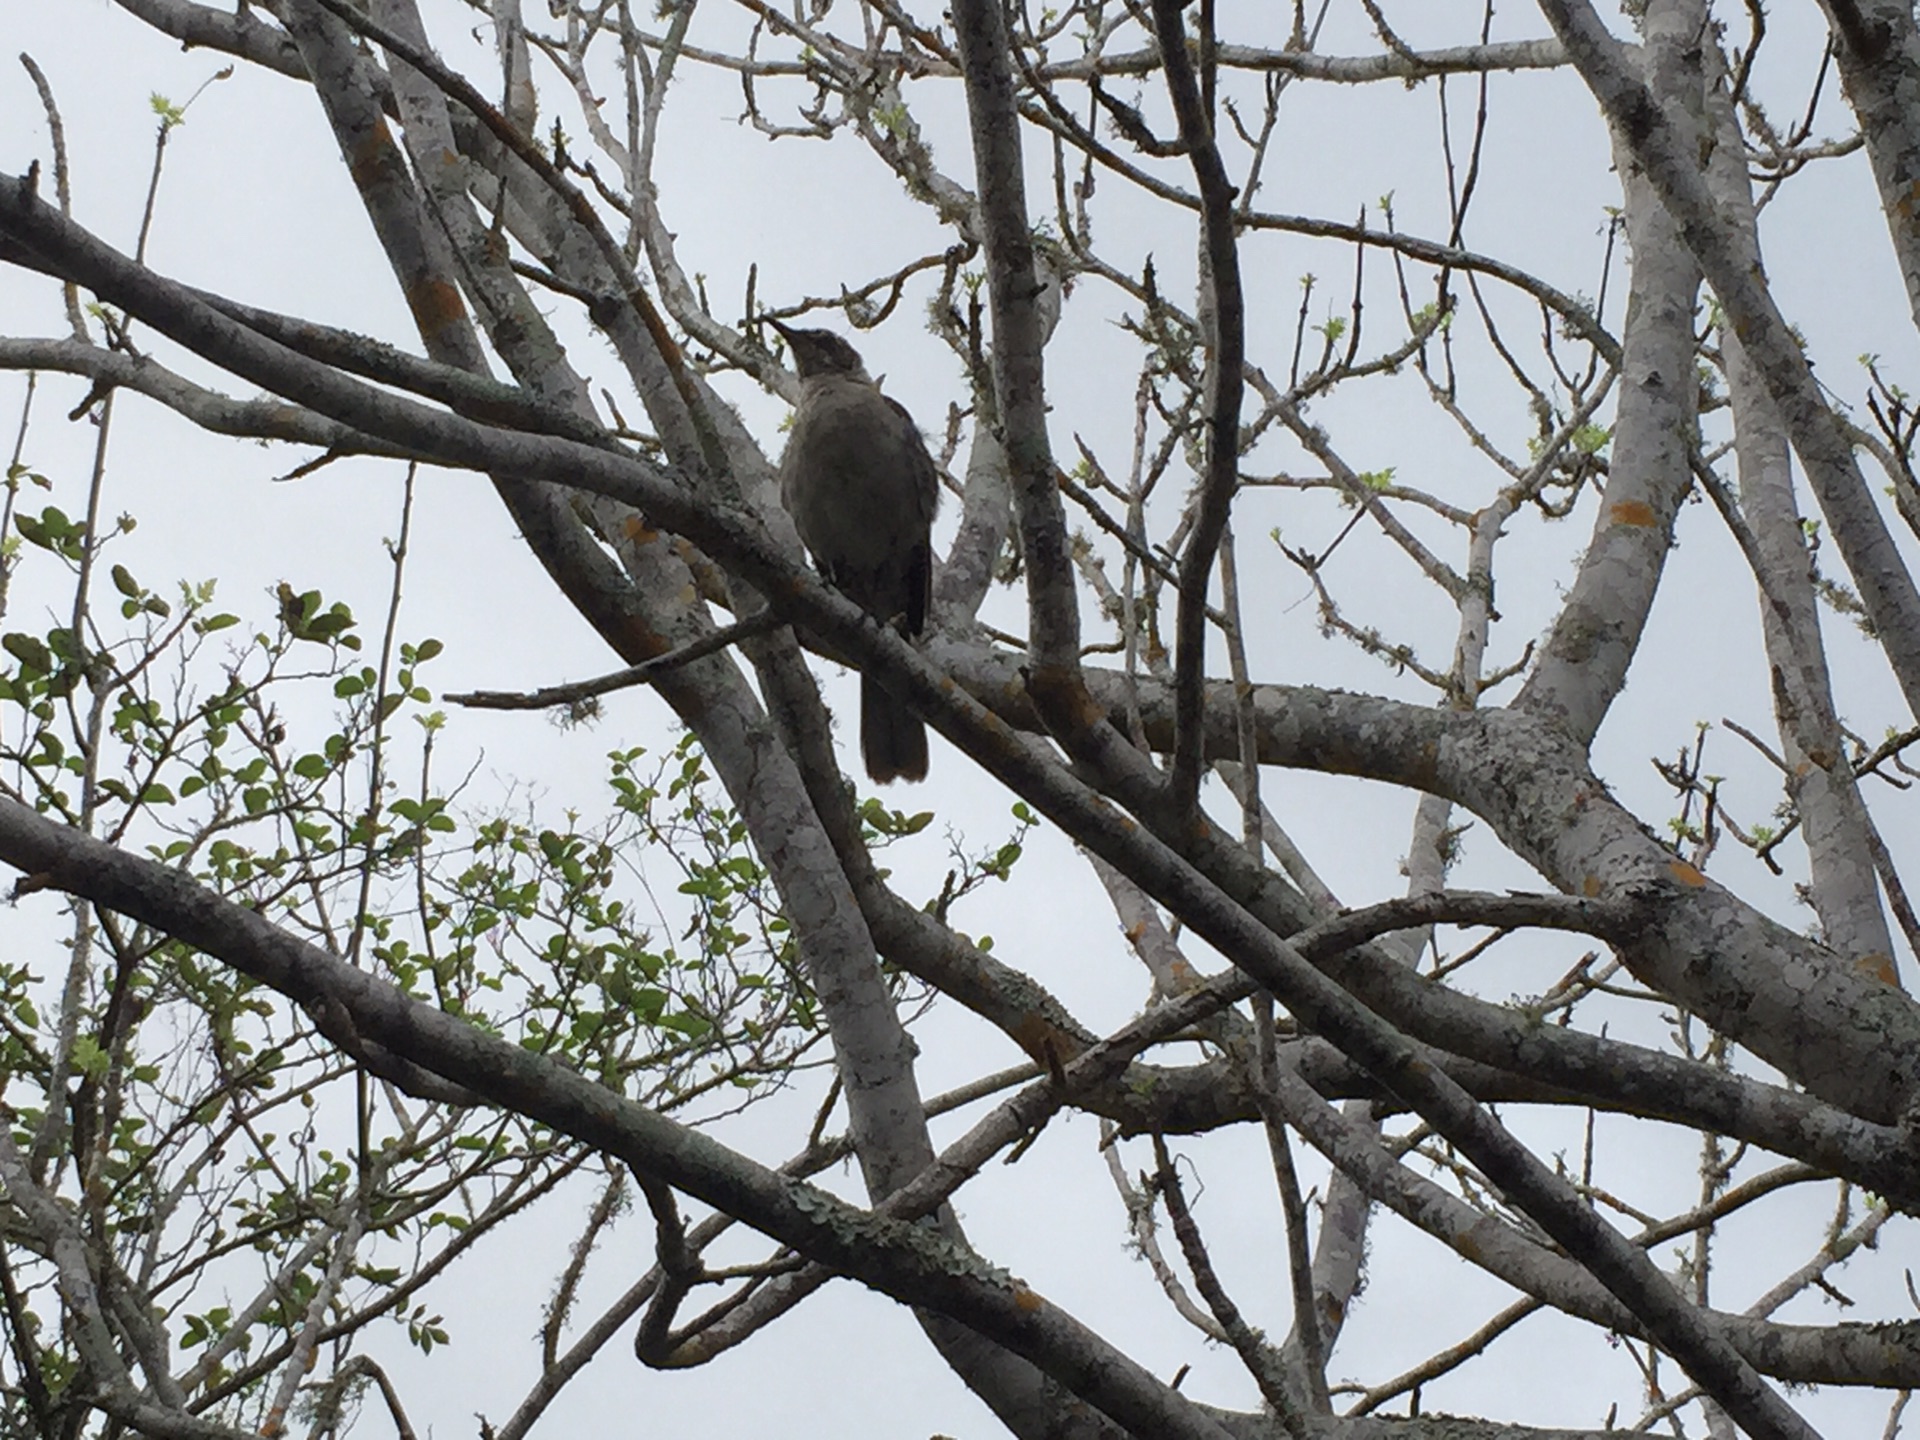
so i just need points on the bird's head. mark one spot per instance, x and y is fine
(820, 352)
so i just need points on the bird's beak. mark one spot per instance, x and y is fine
(785, 330)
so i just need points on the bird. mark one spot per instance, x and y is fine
(862, 489)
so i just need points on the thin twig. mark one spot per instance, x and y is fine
(759, 623)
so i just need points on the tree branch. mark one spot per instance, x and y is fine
(1886, 587)
(1225, 308)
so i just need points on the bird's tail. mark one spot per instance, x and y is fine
(893, 740)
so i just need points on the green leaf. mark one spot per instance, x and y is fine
(1591, 439)
(29, 651)
(88, 1057)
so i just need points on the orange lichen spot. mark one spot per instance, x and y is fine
(1025, 1299)
(1590, 886)
(637, 529)
(639, 642)
(373, 156)
(435, 305)
(1878, 965)
(1686, 874)
(1045, 1042)
(1633, 512)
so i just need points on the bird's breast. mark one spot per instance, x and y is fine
(854, 475)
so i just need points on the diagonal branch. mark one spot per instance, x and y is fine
(262, 419)
(1584, 663)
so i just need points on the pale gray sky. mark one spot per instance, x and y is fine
(254, 203)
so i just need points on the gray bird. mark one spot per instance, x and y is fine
(862, 489)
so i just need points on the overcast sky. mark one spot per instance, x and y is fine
(254, 203)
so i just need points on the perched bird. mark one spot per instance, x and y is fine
(861, 488)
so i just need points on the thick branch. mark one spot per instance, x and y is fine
(1853, 515)
(1584, 664)
(1018, 339)
(1877, 47)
